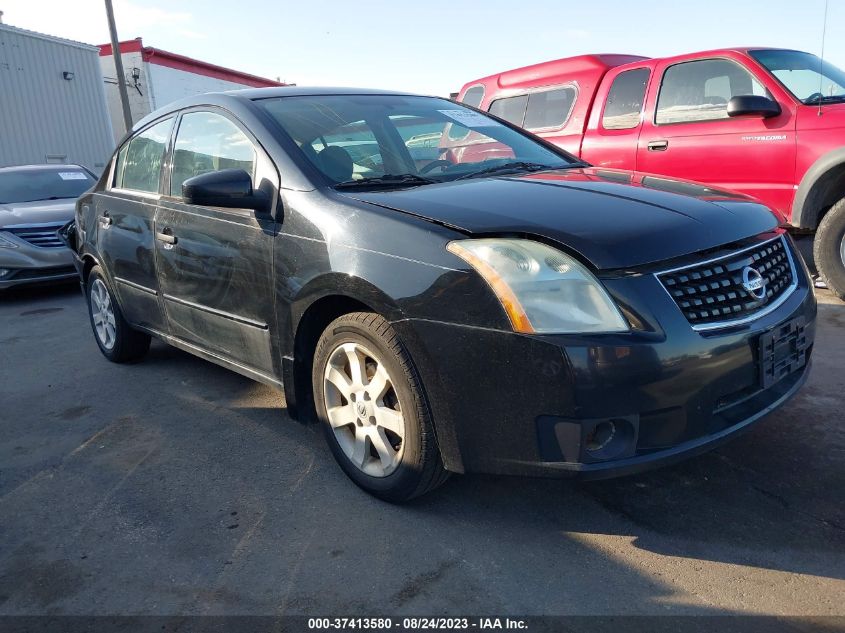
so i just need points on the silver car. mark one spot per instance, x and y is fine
(35, 202)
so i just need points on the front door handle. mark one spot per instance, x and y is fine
(658, 146)
(105, 220)
(167, 239)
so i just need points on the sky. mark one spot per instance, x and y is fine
(431, 46)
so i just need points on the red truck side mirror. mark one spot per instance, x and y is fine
(753, 105)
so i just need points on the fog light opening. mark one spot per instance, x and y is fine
(609, 439)
(601, 436)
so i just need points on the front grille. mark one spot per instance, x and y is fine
(43, 235)
(712, 294)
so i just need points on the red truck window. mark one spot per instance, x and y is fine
(473, 96)
(625, 100)
(510, 109)
(549, 108)
(700, 90)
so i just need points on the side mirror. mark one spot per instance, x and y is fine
(753, 105)
(229, 188)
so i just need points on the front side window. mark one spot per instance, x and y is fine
(353, 139)
(139, 162)
(48, 183)
(549, 108)
(700, 90)
(625, 100)
(806, 76)
(511, 109)
(208, 142)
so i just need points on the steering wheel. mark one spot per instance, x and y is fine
(816, 96)
(440, 162)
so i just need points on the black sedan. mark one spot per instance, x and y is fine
(488, 305)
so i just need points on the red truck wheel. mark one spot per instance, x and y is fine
(829, 249)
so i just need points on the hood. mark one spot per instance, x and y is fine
(39, 212)
(614, 219)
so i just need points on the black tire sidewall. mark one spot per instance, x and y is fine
(403, 481)
(826, 249)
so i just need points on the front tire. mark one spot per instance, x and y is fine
(829, 249)
(116, 339)
(370, 402)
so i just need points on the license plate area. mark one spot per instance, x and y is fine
(783, 350)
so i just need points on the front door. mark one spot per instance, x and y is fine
(688, 133)
(126, 213)
(215, 264)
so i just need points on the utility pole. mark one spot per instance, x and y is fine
(118, 67)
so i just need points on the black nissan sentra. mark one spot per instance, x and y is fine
(441, 291)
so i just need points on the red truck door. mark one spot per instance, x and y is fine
(616, 119)
(687, 132)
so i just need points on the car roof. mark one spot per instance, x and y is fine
(312, 91)
(51, 167)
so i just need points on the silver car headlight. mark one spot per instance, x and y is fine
(5, 242)
(541, 289)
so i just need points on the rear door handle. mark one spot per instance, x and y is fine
(658, 146)
(105, 220)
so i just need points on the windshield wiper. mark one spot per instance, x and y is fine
(517, 166)
(388, 180)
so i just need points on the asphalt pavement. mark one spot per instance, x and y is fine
(174, 486)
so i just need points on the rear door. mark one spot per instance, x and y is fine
(125, 212)
(215, 264)
(689, 134)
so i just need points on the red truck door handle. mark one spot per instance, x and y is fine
(658, 146)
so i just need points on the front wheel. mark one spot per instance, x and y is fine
(370, 402)
(116, 339)
(829, 249)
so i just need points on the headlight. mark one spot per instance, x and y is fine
(541, 288)
(5, 242)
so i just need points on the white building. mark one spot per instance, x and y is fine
(155, 78)
(52, 101)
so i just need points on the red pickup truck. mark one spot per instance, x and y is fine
(766, 122)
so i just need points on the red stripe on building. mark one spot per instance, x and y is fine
(188, 64)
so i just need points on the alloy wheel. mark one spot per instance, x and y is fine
(102, 313)
(363, 409)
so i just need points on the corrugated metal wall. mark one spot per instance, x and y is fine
(43, 116)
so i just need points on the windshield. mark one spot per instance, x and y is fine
(30, 185)
(806, 76)
(383, 140)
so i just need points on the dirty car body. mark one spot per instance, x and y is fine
(693, 328)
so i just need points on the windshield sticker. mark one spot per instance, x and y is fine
(469, 119)
(72, 175)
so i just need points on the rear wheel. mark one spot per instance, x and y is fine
(829, 249)
(116, 339)
(369, 400)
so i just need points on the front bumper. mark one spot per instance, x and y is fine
(29, 264)
(529, 405)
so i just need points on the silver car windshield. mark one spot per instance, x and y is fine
(32, 185)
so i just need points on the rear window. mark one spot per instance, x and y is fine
(549, 108)
(625, 100)
(510, 109)
(31, 185)
(473, 96)
(139, 162)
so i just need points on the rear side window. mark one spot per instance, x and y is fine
(139, 162)
(549, 108)
(700, 90)
(625, 100)
(473, 96)
(510, 108)
(208, 142)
